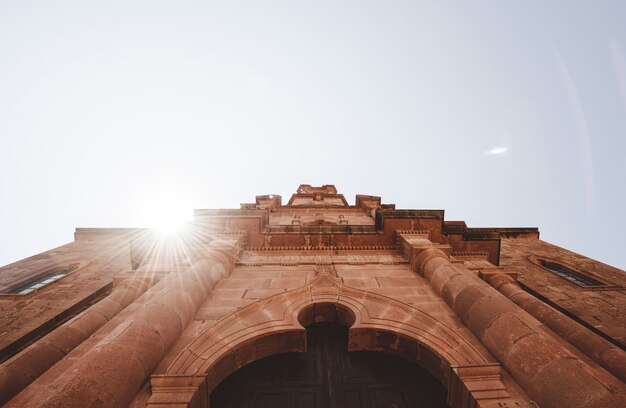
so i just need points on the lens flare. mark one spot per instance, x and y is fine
(495, 150)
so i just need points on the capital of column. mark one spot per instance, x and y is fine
(421, 251)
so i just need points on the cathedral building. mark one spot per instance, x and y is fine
(312, 303)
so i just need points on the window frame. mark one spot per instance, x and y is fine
(41, 280)
(572, 274)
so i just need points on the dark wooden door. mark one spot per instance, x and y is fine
(327, 375)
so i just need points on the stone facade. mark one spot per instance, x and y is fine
(122, 317)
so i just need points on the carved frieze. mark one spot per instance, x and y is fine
(249, 258)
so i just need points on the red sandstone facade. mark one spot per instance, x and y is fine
(497, 317)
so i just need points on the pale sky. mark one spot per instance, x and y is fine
(502, 113)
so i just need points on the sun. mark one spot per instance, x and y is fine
(169, 226)
(168, 217)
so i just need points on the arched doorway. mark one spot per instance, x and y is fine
(276, 325)
(327, 375)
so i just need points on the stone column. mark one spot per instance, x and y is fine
(22, 369)
(551, 375)
(113, 371)
(606, 354)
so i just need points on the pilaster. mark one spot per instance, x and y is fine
(115, 368)
(607, 355)
(551, 375)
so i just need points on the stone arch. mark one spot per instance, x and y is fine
(385, 337)
(277, 325)
(329, 373)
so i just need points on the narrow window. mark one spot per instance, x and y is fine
(570, 275)
(23, 290)
(41, 281)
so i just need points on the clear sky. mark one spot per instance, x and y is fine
(502, 113)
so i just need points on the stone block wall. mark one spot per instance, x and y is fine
(24, 318)
(601, 309)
